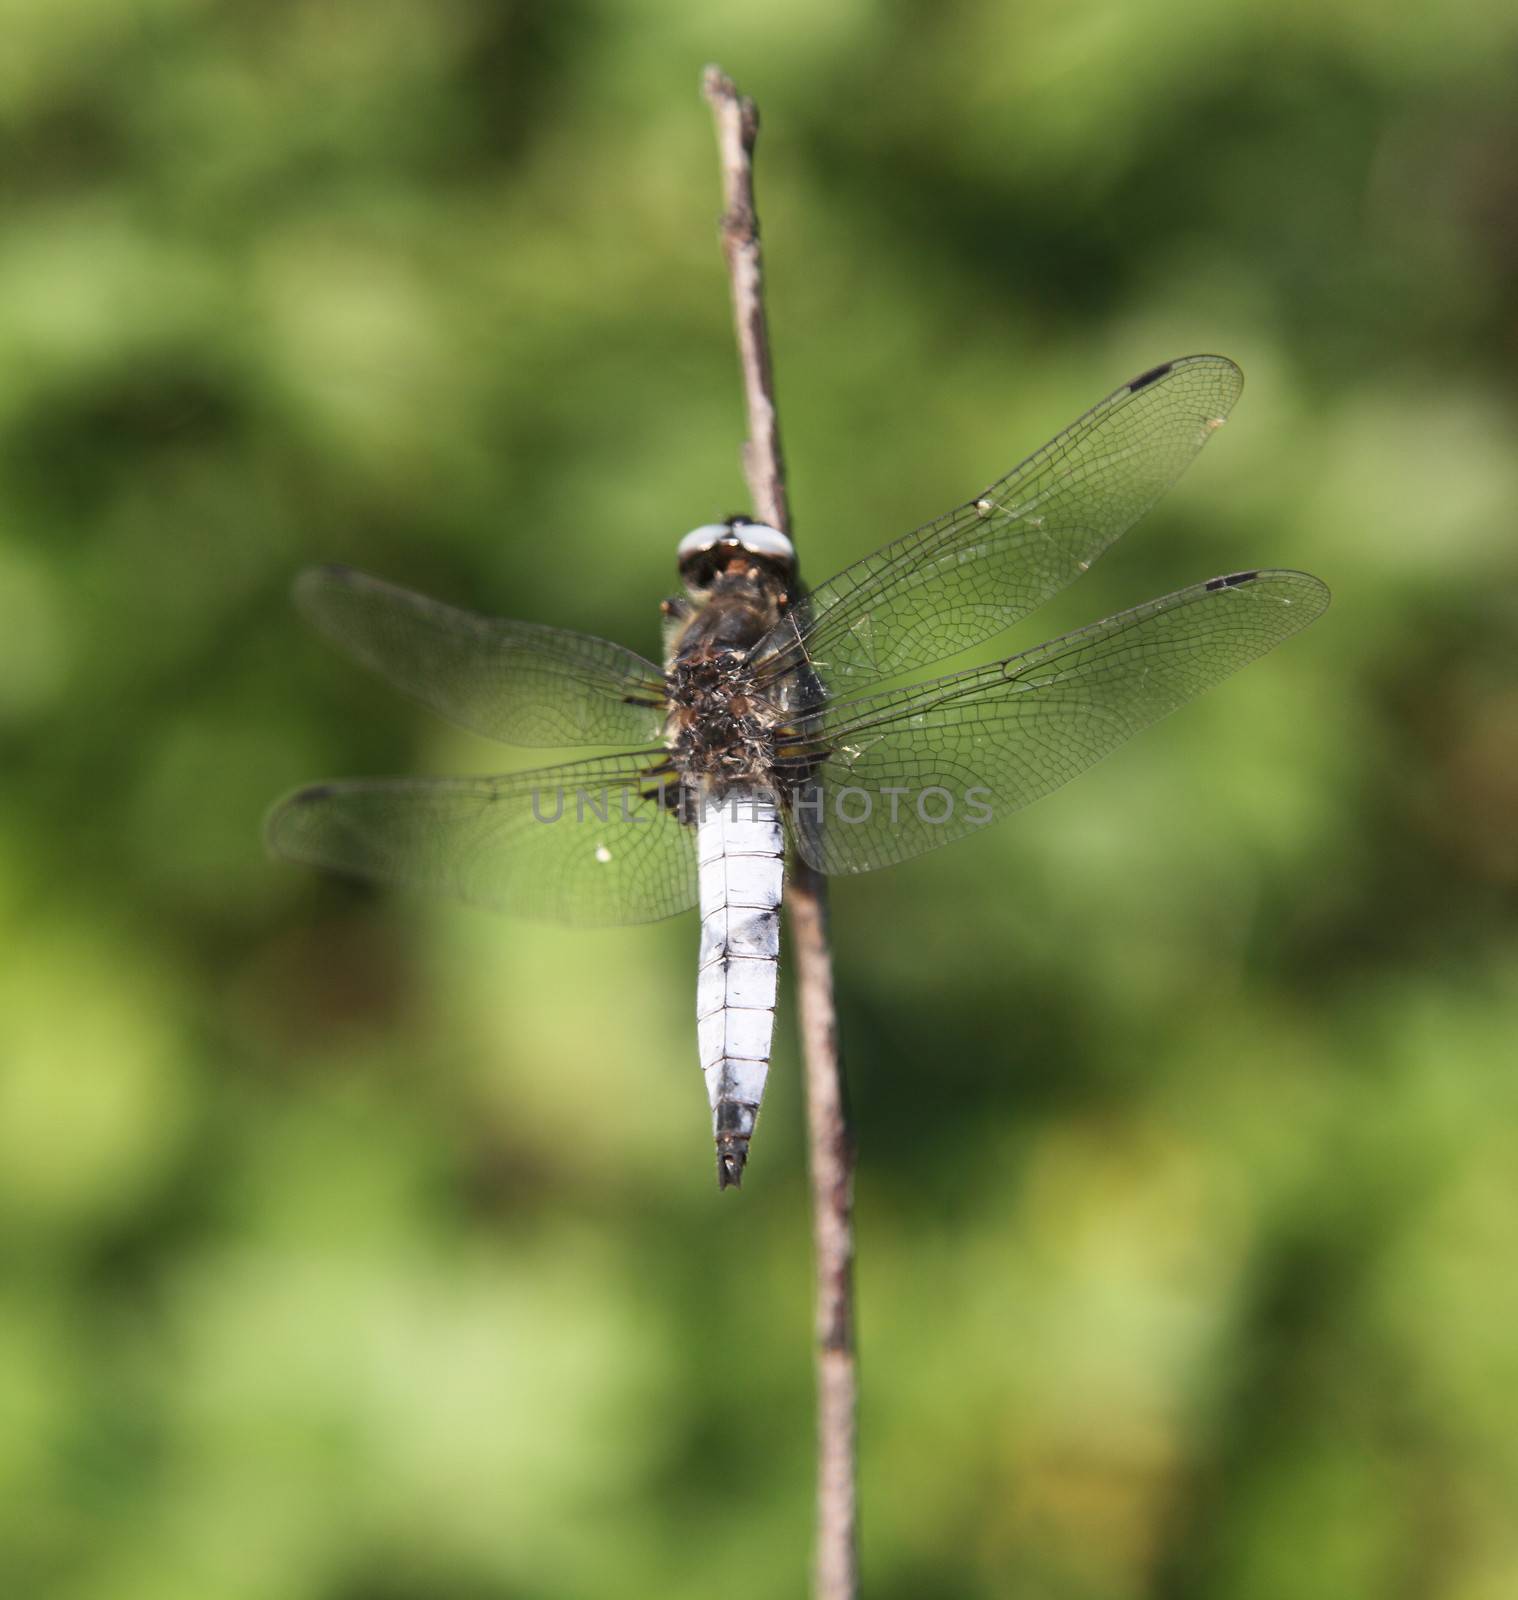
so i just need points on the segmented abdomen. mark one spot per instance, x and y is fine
(741, 849)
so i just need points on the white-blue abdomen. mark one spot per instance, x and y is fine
(741, 851)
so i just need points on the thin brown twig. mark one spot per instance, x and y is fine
(831, 1146)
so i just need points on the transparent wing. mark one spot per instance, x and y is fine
(978, 569)
(900, 773)
(589, 843)
(513, 681)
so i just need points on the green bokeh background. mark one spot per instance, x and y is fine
(361, 1249)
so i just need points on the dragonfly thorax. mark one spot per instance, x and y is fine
(721, 726)
(722, 712)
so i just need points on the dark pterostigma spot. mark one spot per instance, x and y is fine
(1234, 580)
(1153, 375)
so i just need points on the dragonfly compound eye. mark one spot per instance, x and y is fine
(706, 550)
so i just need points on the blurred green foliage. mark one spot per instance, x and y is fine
(1188, 1196)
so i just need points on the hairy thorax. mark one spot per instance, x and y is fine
(720, 729)
(722, 720)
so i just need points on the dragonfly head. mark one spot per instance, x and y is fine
(707, 552)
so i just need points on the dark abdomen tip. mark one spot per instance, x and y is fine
(732, 1157)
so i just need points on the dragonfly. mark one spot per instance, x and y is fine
(769, 732)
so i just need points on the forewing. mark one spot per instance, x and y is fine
(978, 569)
(588, 843)
(513, 681)
(964, 750)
